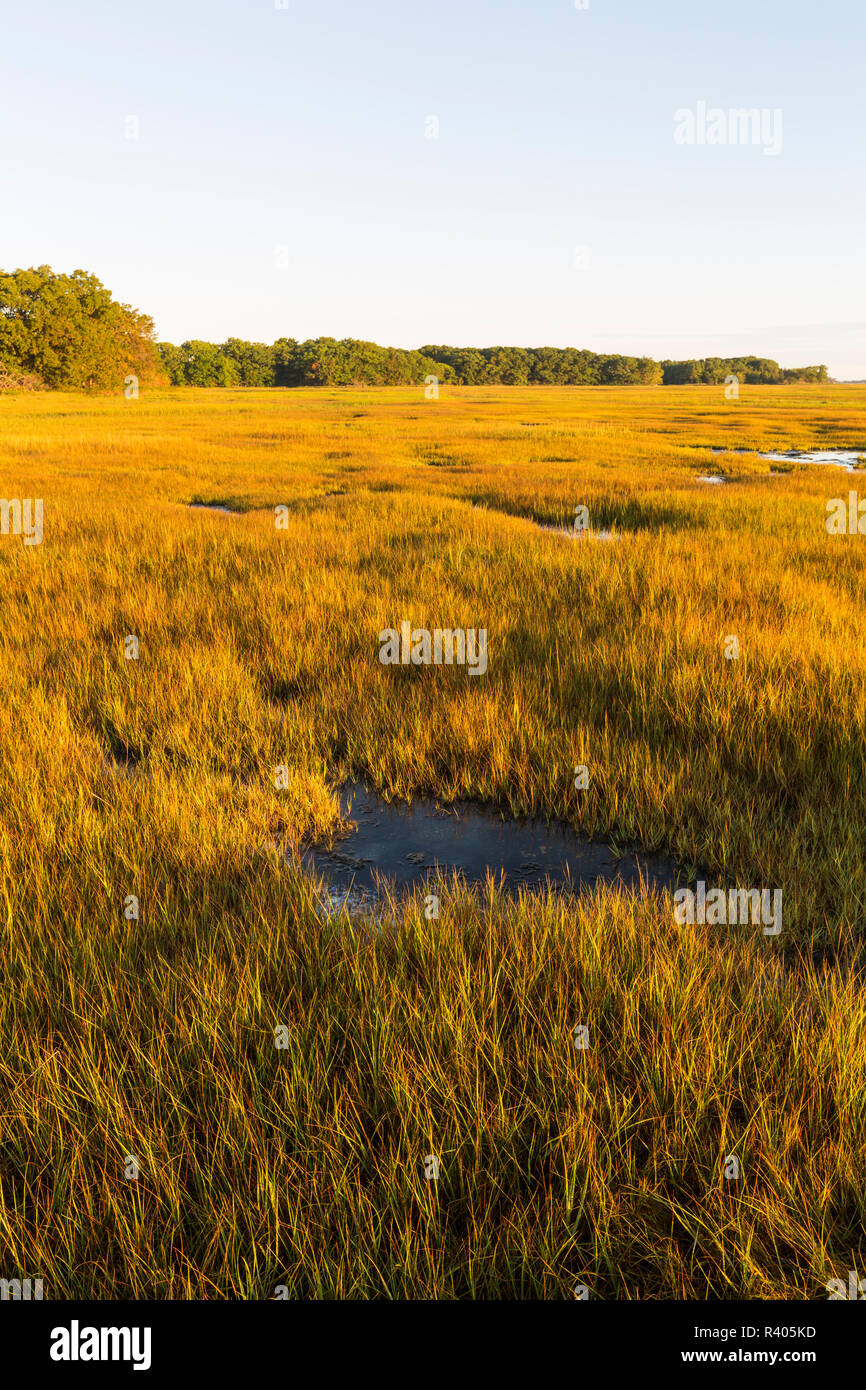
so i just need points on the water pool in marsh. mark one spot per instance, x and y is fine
(403, 843)
(849, 459)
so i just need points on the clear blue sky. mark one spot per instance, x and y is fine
(304, 128)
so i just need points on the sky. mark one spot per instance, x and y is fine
(471, 172)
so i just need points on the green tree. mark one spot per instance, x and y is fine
(67, 330)
(254, 361)
(173, 362)
(207, 365)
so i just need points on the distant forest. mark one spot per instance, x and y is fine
(350, 362)
(66, 331)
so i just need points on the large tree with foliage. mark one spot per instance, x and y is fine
(69, 331)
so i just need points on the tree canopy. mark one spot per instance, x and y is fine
(68, 331)
(712, 371)
(351, 362)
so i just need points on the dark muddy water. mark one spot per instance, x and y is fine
(404, 843)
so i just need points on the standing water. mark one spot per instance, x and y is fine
(403, 843)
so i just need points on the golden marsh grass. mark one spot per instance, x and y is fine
(258, 648)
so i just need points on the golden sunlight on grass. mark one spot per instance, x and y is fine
(259, 647)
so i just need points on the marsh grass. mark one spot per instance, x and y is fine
(260, 648)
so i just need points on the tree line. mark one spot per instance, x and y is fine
(755, 371)
(67, 331)
(351, 362)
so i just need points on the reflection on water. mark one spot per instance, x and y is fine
(839, 458)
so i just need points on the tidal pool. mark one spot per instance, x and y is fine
(402, 844)
(838, 458)
(850, 459)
